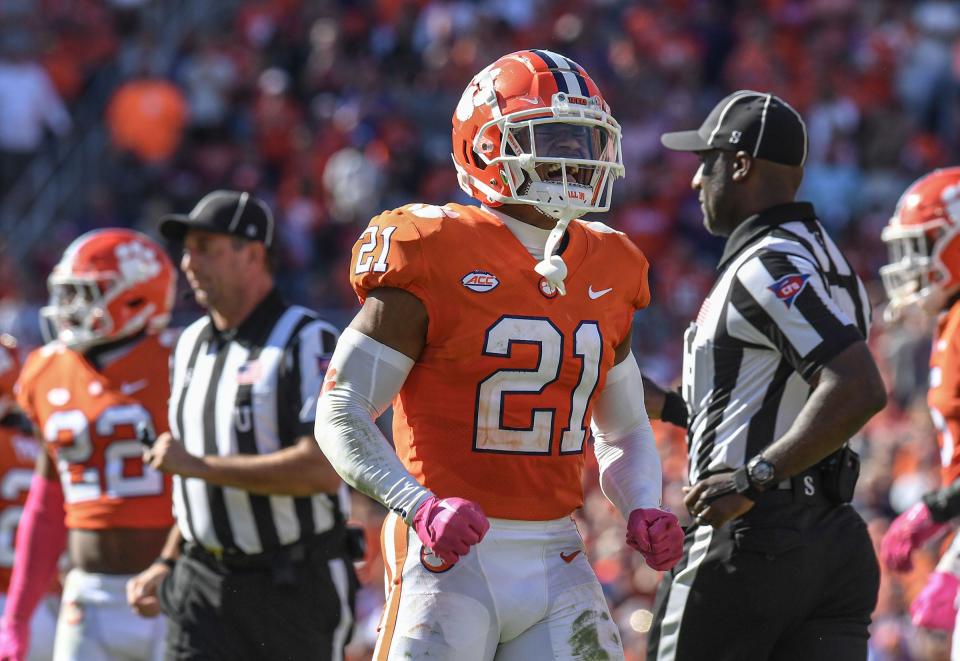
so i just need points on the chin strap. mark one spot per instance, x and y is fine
(552, 266)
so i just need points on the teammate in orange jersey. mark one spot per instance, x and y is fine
(86, 392)
(501, 334)
(18, 455)
(924, 275)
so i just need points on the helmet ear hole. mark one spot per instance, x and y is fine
(136, 302)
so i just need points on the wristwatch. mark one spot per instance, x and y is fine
(754, 478)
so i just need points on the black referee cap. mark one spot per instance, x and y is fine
(761, 124)
(224, 212)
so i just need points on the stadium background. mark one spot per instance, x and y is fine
(114, 112)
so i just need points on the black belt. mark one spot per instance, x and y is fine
(806, 488)
(326, 545)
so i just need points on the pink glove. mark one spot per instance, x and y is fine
(908, 531)
(936, 605)
(657, 535)
(14, 642)
(449, 527)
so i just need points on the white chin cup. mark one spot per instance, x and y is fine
(549, 198)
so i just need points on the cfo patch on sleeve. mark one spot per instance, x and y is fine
(789, 287)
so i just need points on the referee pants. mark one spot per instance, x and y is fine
(785, 582)
(294, 611)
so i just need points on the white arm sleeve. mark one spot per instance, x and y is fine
(367, 376)
(630, 473)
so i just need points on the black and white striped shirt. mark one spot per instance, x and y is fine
(252, 390)
(786, 302)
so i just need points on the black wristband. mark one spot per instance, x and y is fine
(943, 504)
(167, 562)
(674, 409)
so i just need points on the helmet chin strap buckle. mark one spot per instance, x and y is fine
(554, 270)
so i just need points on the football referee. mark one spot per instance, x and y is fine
(777, 377)
(257, 566)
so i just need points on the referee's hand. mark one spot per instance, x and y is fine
(142, 590)
(713, 501)
(169, 455)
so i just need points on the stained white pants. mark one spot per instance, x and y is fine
(526, 592)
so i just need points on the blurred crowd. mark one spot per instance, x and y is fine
(333, 110)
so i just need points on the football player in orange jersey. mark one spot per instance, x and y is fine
(924, 275)
(501, 333)
(18, 455)
(86, 392)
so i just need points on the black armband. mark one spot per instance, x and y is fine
(944, 504)
(167, 562)
(674, 409)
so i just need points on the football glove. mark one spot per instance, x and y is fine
(657, 535)
(936, 605)
(907, 532)
(450, 526)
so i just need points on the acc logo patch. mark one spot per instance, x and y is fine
(789, 287)
(480, 281)
(433, 563)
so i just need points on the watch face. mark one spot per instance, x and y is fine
(761, 471)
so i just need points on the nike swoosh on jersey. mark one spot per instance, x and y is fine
(568, 557)
(133, 386)
(597, 294)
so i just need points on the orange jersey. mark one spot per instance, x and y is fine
(943, 397)
(18, 456)
(497, 408)
(88, 419)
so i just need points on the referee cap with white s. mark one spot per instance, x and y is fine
(759, 123)
(224, 212)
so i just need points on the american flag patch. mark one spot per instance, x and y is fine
(703, 312)
(249, 373)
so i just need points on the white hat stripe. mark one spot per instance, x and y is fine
(241, 205)
(723, 113)
(763, 124)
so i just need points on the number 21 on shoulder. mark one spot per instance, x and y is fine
(372, 238)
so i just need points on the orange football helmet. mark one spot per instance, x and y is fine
(924, 244)
(533, 128)
(108, 285)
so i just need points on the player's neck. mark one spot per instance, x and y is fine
(528, 214)
(532, 238)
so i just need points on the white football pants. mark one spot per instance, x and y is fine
(526, 592)
(96, 624)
